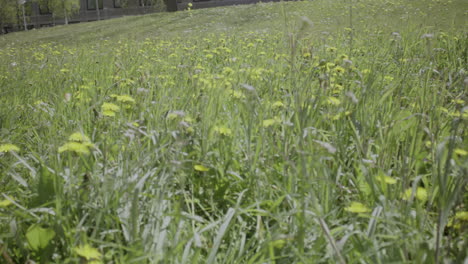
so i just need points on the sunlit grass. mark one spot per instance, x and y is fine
(298, 132)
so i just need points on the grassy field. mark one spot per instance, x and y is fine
(322, 131)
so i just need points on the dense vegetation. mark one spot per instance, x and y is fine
(299, 132)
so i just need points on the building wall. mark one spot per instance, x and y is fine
(109, 9)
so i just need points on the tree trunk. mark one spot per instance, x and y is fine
(97, 10)
(65, 14)
(24, 18)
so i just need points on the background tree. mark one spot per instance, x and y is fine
(8, 13)
(64, 8)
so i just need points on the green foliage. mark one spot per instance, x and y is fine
(273, 133)
(63, 8)
(11, 12)
(8, 12)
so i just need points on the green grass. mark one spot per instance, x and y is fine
(299, 132)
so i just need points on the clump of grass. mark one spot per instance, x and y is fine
(294, 134)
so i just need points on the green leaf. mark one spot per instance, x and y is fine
(45, 187)
(38, 238)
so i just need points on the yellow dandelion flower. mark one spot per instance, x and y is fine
(201, 168)
(277, 104)
(333, 100)
(357, 207)
(456, 220)
(443, 109)
(5, 203)
(338, 87)
(172, 116)
(76, 147)
(223, 131)
(189, 130)
(237, 94)
(339, 69)
(271, 122)
(110, 107)
(428, 144)
(125, 99)
(78, 137)
(460, 152)
(228, 70)
(328, 65)
(421, 194)
(9, 147)
(463, 216)
(188, 119)
(92, 255)
(108, 113)
(335, 117)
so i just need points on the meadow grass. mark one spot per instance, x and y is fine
(293, 132)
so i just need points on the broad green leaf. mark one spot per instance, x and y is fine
(363, 186)
(38, 238)
(45, 187)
